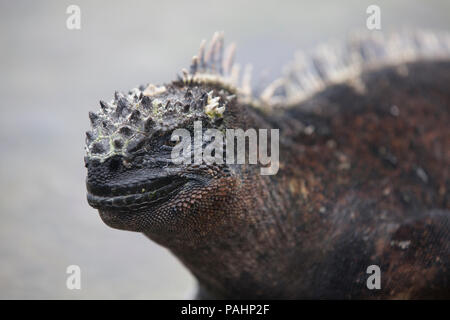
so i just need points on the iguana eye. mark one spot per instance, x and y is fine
(171, 143)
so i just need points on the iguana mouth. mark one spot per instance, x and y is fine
(137, 195)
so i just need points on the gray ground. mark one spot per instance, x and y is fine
(51, 77)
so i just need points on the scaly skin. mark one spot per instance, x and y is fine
(363, 180)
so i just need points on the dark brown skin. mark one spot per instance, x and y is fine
(368, 186)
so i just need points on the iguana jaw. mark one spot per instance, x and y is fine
(143, 195)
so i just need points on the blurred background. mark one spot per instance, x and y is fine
(52, 76)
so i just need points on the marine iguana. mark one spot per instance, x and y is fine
(363, 175)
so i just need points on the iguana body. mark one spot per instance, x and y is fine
(363, 180)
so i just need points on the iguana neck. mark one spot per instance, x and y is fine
(228, 252)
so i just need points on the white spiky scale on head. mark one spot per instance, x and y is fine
(212, 108)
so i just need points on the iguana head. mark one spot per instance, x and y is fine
(131, 177)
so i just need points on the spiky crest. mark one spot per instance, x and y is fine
(123, 123)
(311, 72)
